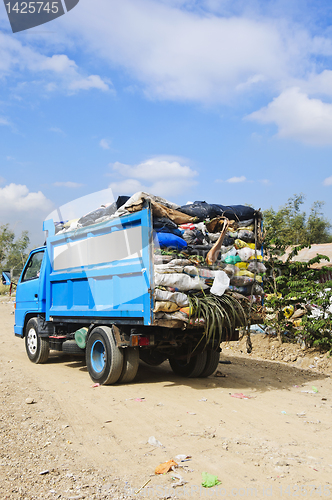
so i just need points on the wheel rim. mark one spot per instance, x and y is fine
(32, 341)
(98, 356)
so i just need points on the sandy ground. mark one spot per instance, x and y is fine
(77, 441)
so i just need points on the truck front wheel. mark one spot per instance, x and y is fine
(104, 359)
(37, 347)
(191, 369)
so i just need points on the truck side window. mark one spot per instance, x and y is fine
(32, 270)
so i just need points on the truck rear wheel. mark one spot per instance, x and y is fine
(130, 365)
(191, 369)
(37, 347)
(104, 359)
(212, 362)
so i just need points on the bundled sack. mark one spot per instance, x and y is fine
(96, 215)
(169, 240)
(247, 236)
(202, 210)
(180, 299)
(245, 253)
(257, 267)
(160, 208)
(165, 306)
(180, 281)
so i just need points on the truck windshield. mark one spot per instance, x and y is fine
(32, 269)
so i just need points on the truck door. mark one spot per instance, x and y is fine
(28, 290)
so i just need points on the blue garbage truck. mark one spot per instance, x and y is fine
(90, 292)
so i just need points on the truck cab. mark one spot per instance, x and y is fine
(31, 293)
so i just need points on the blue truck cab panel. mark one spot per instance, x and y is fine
(31, 291)
(102, 271)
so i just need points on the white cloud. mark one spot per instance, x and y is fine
(18, 198)
(57, 71)
(4, 121)
(68, 184)
(298, 117)
(328, 181)
(234, 180)
(24, 210)
(104, 143)
(185, 55)
(160, 176)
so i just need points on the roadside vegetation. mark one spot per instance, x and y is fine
(298, 305)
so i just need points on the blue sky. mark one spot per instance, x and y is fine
(219, 100)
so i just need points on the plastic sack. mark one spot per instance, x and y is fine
(181, 299)
(230, 270)
(232, 259)
(167, 269)
(245, 253)
(257, 257)
(199, 271)
(244, 272)
(242, 281)
(180, 262)
(91, 217)
(203, 210)
(247, 236)
(181, 282)
(165, 306)
(220, 284)
(242, 244)
(170, 240)
(256, 266)
(242, 265)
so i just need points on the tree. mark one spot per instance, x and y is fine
(17, 254)
(291, 226)
(13, 253)
(6, 241)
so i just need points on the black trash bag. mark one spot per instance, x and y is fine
(228, 241)
(194, 237)
(159, 222)
(91, 217)
(203, 211)
(201, 250)
(121, 201)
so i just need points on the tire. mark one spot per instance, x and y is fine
(192, 369)
(37, 347)
(70, 347)
(152, 357)
(130, 365)
(212, 362)
(104, 359)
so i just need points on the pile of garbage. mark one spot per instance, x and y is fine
(198, 248)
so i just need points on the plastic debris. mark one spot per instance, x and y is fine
(44, 472)
(283, 412)
(182, 458)
(209, 480)
(180, 481)
(165, 467)
(154, 442)
(314, 388)
(140, 400)
(191, 413)
(240, 395)
(95, 385)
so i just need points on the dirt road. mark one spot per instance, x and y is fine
(78, 441)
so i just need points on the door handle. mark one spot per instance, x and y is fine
(36, 295)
